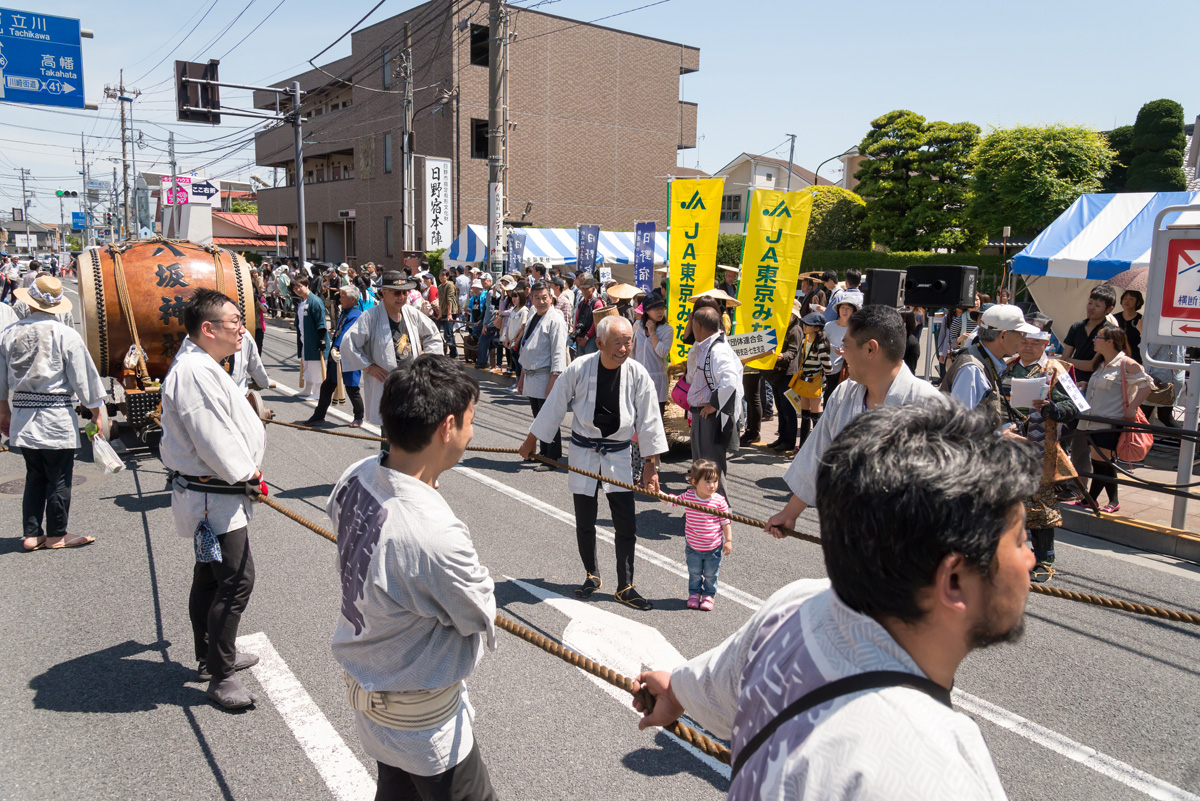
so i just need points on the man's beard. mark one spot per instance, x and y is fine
(985, 634)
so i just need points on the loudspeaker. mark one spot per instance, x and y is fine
(885, 287)
(941, 285)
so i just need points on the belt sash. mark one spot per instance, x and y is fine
(412, 711)
(41, 400)
(600, 445)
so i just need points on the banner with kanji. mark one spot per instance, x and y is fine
(776, 227)
(695, 206)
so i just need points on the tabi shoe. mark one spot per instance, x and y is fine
(313, 422)
(706, 603)
(1041, 573)
(230, 694)
(542, 467)
(630, 597)
(242, 662)
(586, 589)
(693, 601)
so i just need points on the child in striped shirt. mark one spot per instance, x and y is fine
(708, 537)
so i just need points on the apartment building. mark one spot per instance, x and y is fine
(594, 127)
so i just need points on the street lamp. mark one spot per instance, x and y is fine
(817, 171)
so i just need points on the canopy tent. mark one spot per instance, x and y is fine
(552, 246)
(1099, 238)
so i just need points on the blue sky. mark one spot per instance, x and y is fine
(768, 68)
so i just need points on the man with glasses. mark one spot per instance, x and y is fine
(974, 377)
(213, 446)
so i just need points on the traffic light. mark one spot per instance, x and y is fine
(66, 193)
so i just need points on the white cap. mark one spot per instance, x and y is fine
(1005, 317)
(476, 284)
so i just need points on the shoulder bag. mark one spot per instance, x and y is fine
(1133, 444)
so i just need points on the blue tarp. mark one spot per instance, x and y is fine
(553, 245)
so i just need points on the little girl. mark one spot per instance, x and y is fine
(708, 537)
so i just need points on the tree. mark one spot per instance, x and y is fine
(729, 251)
(1120, 140)
(883, 179)
(942, 182)
(837, 220)
(1026, 176)
(244, 207)
(1158, 143)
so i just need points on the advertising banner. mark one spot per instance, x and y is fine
(775, 232)
(589, 237)
(437, 204)
(643, 256)
(516, 252)
(695, 206)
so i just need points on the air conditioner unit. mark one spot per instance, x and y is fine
(346, 214)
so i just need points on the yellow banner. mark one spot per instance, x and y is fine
(695, 206)
(775, 232)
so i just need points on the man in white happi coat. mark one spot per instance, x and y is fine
(248, 364)
(715, 394)
(46, 366)
(874, 354)
(213, 445)
(417, 607)
(840, 688)
(386, 336)
(611, 397)
(543, 357)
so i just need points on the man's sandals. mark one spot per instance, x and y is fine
(586, 589)
(630, 597)
(1041, 573)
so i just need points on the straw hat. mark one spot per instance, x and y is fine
(664, 270)
(734, 270)
(622, 292)
(45, 294)
(720, 295)
(602, 312)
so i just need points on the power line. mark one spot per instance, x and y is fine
(180, 43)
(590, 22)
(252, 30)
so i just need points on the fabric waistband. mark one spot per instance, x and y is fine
(599, 444)
(41, 400)
(213, 486)
(415, 711)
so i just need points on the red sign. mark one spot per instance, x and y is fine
(1181, 285)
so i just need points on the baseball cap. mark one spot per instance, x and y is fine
(1006, 317)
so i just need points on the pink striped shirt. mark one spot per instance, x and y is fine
(703, 531)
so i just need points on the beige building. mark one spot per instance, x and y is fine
(747, 172)
(594, 128)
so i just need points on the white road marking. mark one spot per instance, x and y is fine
(345, 776)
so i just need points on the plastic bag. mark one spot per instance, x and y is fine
(131, 357)
(104, 455)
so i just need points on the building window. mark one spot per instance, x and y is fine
(479, 139)
(480, 36)
(387, 152)
(387, 68)
(731, 208)
(387, 236)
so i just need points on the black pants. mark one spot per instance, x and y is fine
(551, 450)
(327, 388)
(624, 524)
(789, 425)
(47, 491)
(751, 387)
(831, 383)
(767, 393)
(711, 441)
(220, 593)
(259, 335)
(467, 781)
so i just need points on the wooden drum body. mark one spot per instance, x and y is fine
(159, 277)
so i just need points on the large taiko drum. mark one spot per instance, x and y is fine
(159, 277)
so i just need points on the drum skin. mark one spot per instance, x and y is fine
(161, 276)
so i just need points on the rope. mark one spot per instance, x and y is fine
(1112, 603)
(127, 312)
(685, 733)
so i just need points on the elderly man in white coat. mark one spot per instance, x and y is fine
(543, 357)
(715, 395)
(611, 397)
(385, 336)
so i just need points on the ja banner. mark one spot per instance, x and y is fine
(589, 237)
(516, 252)
(695, 207)
(775, 233)
(643, 256)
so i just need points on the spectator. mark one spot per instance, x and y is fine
(1164, 376)
(714, 373)
(823, 293)
(449, 309)
(1130, 321)
(462, 283)
(729, 285)
(835, 332)
(488, 328)
(562, 297)
(514, 329)
(786, 364)
(851, 291)
(652, 340)
(974, 376)
(543, 357)
(707, 537)
(348, 297)
(584, 323)
(809, 379)
(923, 533)
(1079, 349)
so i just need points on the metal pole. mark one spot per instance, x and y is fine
(406, 145)
(112, 229)
(25, 211)
(124, 155)
(137, 208)
(791, 153)
(495, 134)
(1187, 446)
(87, 212)
(298, 148)
(170, 231)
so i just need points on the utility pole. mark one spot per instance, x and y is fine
(497, 43)
(25, 209)
(791, 153)
(62, 224)
(298, 140)
(115, 225)
(408, 212)
(170, 209)
(123, 96)
(87, 210)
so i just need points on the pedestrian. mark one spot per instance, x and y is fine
(389, 335)
(312, 336)
(46, 366)
(922, 529)
(611, 398)
(543, 357)
(449, 309)
(786, 364)
(815, 365)
(284, 279)
(348, 298)
(874, 354)
(462, 284)
(488, 328)
(974, 376)
(417, 607)
(707, 537)
(584, 323)
(213, 445)
(514, 329)
(714, 374)
(1079, 346)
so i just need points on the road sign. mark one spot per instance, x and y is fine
(204, 189)
(754, 344)
(1173, 302)
(41, 59)
(180, 194)
(95, 185)
(78, 220)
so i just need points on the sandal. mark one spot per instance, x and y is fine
(1041, 573)
(589, 586)
(39, 545)
(356, 424)
(1111, 508)
(630, 597)
(67, 542)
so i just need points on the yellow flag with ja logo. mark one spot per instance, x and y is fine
(695, 207)
(775, 231)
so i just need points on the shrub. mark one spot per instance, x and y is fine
(836, 221)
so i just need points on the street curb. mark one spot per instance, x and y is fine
(1134, 533)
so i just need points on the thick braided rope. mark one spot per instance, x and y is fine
(685, 733)
(1041, 589)
(126, 305)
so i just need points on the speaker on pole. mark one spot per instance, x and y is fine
(886, 287)
(941, 285)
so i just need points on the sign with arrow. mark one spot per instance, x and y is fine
(1173, 293)
(204, 189)
(41, 59)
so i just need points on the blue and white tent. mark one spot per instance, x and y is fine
(1095, 240)
(552, 246)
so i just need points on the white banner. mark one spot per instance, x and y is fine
(438, 233)
(495, 226)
